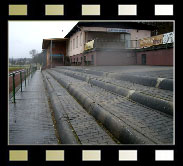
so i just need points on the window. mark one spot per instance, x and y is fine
(77, 42)
(73, 43)
(80, 38)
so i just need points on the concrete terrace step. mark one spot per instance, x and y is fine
(128, 121)
(158, 79)
(155, 98)
(83, 126)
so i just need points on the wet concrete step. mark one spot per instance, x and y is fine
(162, 79)
(152, 91)
(155, 98)
(119, 114)
(84, 126)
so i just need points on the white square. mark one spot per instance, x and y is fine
(127, 155)
(164, 155)
(163, 10)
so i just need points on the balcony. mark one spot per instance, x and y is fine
(111, 44)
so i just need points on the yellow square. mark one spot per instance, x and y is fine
(90, 9)
(54, 9)
(17, 10)
(18, 155)
(54, 155)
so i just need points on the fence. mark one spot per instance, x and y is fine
(16, 80)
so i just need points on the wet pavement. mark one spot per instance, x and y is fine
(140, 70)
(151, 123)
(30, 120)
(86, 128)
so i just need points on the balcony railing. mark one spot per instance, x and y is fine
(112, 44)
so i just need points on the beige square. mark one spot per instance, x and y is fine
(18, 155)
(127, 9)
(91, 155)
(54, 155)
(90, 10)
(127, 155)
(54, 10)
(15, 10)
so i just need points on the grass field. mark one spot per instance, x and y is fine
(15, 68)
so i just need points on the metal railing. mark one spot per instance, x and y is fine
(112, 44)
(17, 79)
(116, 44)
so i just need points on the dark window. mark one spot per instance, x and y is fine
(77, 42)
(143, 59)
(92, 60)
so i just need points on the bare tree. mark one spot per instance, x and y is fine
(33, 52)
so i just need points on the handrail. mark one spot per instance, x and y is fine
(27, 72)
(16, 72)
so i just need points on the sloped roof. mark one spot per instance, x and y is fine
(125, 25)
(46, 42)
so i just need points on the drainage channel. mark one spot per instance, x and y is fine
(144, 124)
(84, 127)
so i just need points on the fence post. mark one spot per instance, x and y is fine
(25, 76)
(13, 87)
(21, 80)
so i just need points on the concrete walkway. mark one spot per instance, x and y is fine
(30, 120)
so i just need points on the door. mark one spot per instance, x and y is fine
(143, 59)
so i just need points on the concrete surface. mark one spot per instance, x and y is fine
(151, 123)
(85, 127)
(94, 114)
(30, 120)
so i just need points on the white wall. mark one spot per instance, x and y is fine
(76, 49)
(135, 35)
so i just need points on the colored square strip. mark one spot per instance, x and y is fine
(91, 155)
(91, 10)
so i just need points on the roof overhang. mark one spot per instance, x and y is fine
(46, 42)
(109, 24)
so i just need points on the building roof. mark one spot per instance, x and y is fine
(46, 42)
(125, 25)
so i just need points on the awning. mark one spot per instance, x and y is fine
(46, 42)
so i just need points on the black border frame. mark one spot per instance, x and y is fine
(72, 11)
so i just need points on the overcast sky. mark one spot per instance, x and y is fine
(27, 35)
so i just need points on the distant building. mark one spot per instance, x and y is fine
(56, 51)
(109, 43)
(156, 50)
